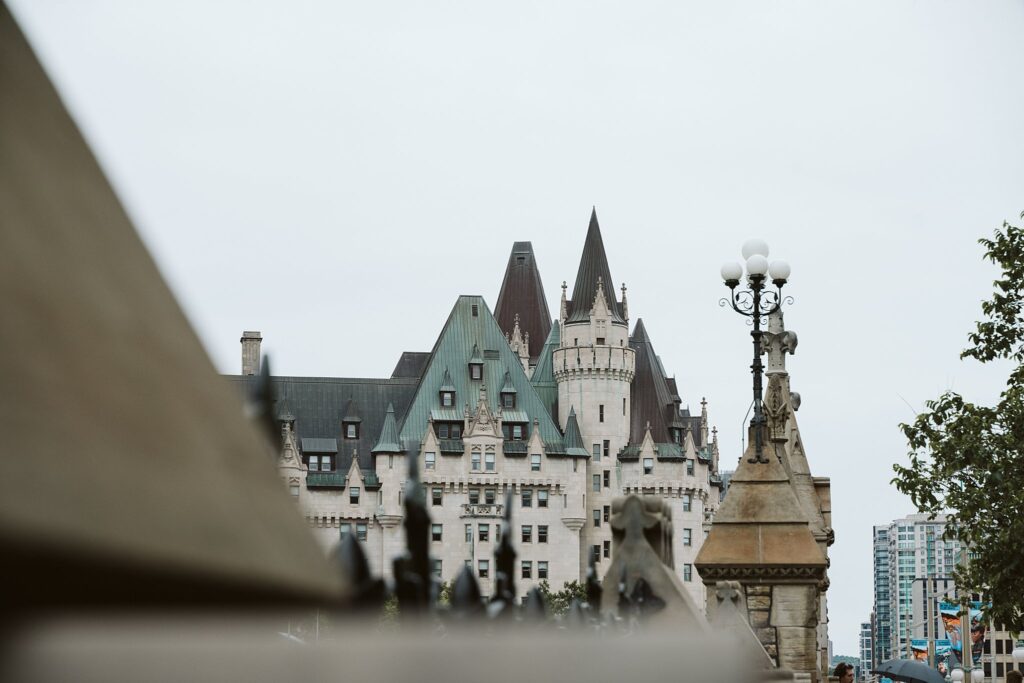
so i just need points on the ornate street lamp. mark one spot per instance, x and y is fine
(756, 303)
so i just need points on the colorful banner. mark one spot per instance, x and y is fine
(942, 652)
(919, 649)
(950, 615)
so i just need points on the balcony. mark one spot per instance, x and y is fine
(482, 510)
(325, 480)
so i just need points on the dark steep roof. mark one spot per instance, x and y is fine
(319, 404)
(522, 294)
(593, 265)
(650, 398)
(411, 364)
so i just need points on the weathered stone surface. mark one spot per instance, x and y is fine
(759, 590)
(759, 602)
(795, 605)
(798, 648)
(766, 635)
(759, 619)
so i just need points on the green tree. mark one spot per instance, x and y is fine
(968, 460)
(559, 602)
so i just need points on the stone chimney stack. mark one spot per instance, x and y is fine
(251, 352)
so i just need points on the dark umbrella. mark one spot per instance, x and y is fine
(909, 670)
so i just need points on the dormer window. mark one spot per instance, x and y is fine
(513, 431)
(476, 371)
(449, 430)
(677, 435)
(508, 400)
(351, 430)
(447, 399)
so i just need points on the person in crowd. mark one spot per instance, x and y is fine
(844, 672)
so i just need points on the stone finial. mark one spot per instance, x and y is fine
(563, 311)
(625, 305)
(777, 342)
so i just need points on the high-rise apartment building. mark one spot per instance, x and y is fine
(912, 566)
(866, 661)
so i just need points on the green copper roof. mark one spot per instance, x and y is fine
(543, 378)
(446, 382)
(573, 438)
(464, 336)
(507, 387)
(388, 441)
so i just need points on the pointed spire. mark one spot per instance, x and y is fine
(388, 441)
(573, 438)
(522, 298)
(593, 267)
(475, 358)
(639, 335)
(508, 387)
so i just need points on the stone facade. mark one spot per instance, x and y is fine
(495, 416)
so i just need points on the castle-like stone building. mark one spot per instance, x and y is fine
(561, 416)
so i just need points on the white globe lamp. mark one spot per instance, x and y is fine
(779, 271)
(957, 676)
(757, 265)
(754, 246)
(732, 272)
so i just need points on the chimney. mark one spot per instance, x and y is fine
(251, 352)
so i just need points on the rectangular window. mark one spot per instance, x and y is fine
(489, 496)
(517, 432)
(648, 465)
(353, 495)
(429, 459)
(542, 570)
(476, 371)
(294, 490)
(689, 466)
(597, 483)
(435, 495)
(314, 463)
(597, 518)
(483, 568)
(607, 447)
(325, 464)
(361, 531)
(607, 549)
(597, 452)
(437, 569)
(475, 466)
(600, 341)
(527, 497)
(527, 536)
(474, 496)
(607, 512)
(435, 532)
(489, 462)
(600, 413)
(442, 430)
(346, 528)
(687, 572)
(456, 430)
(447, 399)
(623, 406)
(607, 478)
(595, 553)
(535, 462)
(497, 533)
(484, 532)
(686, 502)
(687, 536)
(469, 533)
(542, 498)
(351, 431)
(391, 462)
(508, 400)
(527, 569)
(542, 533)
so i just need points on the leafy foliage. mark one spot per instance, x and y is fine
(968, 460)
(559, 603)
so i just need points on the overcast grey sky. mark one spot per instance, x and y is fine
(335, 174)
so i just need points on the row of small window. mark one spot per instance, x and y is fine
(483, 568)
(484, 533)
(490, 495)
(346, 528)
(430, 461)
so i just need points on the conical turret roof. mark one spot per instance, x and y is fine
(522, 294)
(573, 438)
(388, 441)
(593, 266)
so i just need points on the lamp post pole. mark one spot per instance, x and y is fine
(756, 303)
